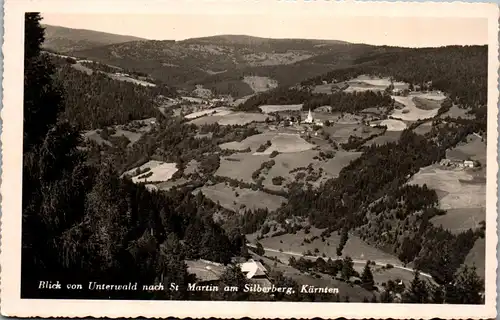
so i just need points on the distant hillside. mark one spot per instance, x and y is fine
(221, 62)
(231, 39)
(63, 39)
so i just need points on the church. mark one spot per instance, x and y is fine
(310, 119)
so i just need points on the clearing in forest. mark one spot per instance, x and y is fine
(474, 148)
(393, 124)
(215, 111)
(410, 111)
(260, 84)
(457, 112)
(242, 118)
(462, 195)
(152, 171)
(236, 198)
(388, 136)
(287, 143)
(269, 108)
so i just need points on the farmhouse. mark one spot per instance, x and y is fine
(255, 272)
(459, 163)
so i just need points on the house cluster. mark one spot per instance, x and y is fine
(309, 120)
(459, 163)
(209, 272)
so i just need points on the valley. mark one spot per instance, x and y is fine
(326, 161)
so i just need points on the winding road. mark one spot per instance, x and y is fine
(290, 253)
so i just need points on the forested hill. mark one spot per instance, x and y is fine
(94, 100)
(61, 39)
(83, 223)
(461, 71)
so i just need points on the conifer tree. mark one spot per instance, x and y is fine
(367, 277)
(417, 292)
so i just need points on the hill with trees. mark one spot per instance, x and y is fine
(61, 39)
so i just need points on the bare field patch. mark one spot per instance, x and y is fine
(456, 112)
(82, 68)
(252, 142)
(459, 195)
(260, 84)
(393, 124)
(410, 112)
(94, 136)
(388, 136)
(213, 112)
(423, 128)
(460, 220)
(341, 132)
(287, 143)
(241, 118)
(157, 171)
(234, 198)
(434, 95)
(269, 108)
(474, 148)
(240, 166)
(132, 80)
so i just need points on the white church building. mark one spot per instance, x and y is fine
(310, 119)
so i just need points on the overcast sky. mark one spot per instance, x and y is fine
(398, 31)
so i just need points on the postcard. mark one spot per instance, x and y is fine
(260, 159)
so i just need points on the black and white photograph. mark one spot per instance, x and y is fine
(259, 157)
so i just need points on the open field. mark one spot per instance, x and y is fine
(434, 95)
(215, 111)
(202, 92)
(287, 143)
(456, 112)
(282, 142)
(129, 79)
(477, 256)
(367, 83)
(459, 194)
(280, 107)
(167, 185)
(234, 198)
(158, 171)
(286, 162)
(340, 132)
(260, 84)
(252, 142)
(94, 136)
(474, 149)
(241, 118)
(355, 248)
(393, 124)
(388, 136)
(462, 197)
(411, 112)
(82, 68)
(460, 220)
(423, 128)
(240, 166)
(241, 100)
